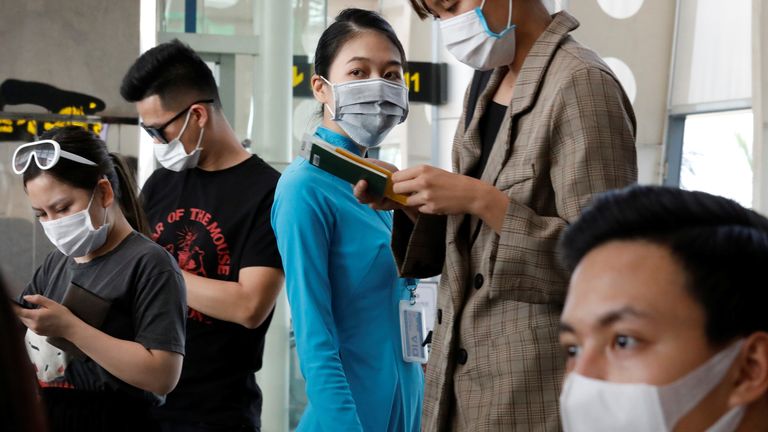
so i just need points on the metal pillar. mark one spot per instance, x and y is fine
(760, 104)
(272, 139)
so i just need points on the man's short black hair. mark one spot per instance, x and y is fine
(173, 72)
(721, 246)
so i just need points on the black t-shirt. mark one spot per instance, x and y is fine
(148, 302)
(216, 223)
(488, 126)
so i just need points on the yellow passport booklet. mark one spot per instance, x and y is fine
(350, 167)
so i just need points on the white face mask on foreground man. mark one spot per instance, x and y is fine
(597, 405)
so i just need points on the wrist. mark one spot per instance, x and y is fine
(490, 205)
(71, 328)
(481, 194)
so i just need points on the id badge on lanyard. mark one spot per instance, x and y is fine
(413, 329)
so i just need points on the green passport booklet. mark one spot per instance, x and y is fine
(323, 156)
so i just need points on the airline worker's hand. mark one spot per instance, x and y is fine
(381, 203)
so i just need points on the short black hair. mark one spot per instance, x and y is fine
(721, 246)
(171, 71)
(347, 24)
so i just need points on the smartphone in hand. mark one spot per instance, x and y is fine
(22, 303)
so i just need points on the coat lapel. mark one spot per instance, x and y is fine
(469, 151)
(527, 89)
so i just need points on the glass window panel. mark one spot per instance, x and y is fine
(215, 17)
(713, 57)
(717, 155)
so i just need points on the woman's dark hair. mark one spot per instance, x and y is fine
(346, 25)
(84, 143)
(721, 246)
(20, 408)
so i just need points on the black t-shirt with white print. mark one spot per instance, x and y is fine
(216, 223)
(146, 291)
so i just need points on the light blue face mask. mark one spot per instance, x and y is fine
(368, 109)
(473, 43)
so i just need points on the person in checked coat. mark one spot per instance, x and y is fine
(546, 125)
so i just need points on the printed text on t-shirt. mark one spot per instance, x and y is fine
(189, 249)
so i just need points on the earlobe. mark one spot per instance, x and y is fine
(201, 115)
(107, 194)
(752, 378)
(318, 89)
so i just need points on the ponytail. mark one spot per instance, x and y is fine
(128, 195)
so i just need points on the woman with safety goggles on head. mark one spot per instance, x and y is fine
(341, 279)
(105, 311)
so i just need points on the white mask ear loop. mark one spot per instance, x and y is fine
(184, 127)
(106, 212)
(88, 209)
(90, 201)
(106, 209)
(333, 114)
(676, 400)
(200, 139)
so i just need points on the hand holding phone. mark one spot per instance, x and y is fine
(21, 303)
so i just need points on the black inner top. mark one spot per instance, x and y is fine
(488, 126)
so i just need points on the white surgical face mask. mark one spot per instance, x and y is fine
(74, 235)
(590, 405)
(173, 156)
(368, 109)
(471, 41)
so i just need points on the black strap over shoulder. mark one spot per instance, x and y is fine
(479, 81)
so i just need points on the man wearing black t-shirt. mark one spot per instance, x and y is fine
(208, 206)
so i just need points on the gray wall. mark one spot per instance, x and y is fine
(80, 45)
(644, 43)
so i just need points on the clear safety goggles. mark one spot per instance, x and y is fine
(46, 154)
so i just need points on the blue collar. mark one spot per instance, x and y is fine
(337, 139)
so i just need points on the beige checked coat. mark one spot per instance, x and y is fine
(569, 133)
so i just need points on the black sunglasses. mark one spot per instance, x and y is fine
(157, 132)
